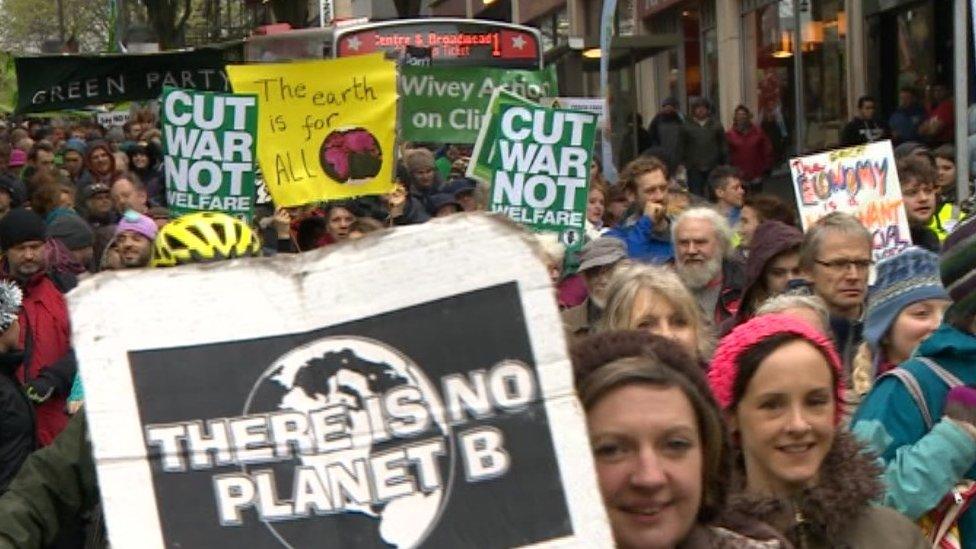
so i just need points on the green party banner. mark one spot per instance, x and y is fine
(537, 160)
(58, 82)
(445, 104)
(208, 142)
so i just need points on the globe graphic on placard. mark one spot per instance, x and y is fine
(350, 371)
(351, 155)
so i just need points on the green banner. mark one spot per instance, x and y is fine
(58, 82)
(537, 160)
(209, 141)
(444, 105)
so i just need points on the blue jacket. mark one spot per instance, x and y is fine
(921, 465)
(643, 243)
(904, 122)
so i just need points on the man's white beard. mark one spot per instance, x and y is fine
(597, 294)
(697, 275)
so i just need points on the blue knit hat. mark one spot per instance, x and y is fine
(909, 277)
(77, 145)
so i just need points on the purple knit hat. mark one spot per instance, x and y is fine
(137, 223)
(725, 364)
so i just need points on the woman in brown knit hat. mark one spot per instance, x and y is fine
(659, 444)
(424, 179)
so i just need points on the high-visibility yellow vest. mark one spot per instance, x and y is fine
(946, 219)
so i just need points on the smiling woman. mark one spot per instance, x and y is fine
(778, 380)
(660, 448)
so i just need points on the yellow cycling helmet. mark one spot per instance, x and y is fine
(201, 237)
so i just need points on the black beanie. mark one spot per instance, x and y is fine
(20, 226)
(14, 188)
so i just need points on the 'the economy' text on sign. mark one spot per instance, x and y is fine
(862, 181)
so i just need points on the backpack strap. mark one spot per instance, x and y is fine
(946, 376)
(915, 390)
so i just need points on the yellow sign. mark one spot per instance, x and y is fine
(326, 128)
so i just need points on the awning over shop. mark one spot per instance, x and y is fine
(624, 50)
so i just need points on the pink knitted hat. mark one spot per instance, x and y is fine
(725, 362)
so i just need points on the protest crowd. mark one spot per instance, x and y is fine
(743, 383)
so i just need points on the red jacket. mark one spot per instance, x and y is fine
(751, 152)
(45, 314)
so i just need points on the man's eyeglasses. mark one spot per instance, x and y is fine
(843, 265)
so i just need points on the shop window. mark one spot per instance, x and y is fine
(808, 115)
(916, 47)
(749, 6)
(769, 33)
(709, 55)
(710, 60)
(554, 28)
(626, 18)
(682, 73)
(914, 50)
(823, 31)
(691, 32)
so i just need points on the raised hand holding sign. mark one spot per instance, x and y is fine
(537, 160)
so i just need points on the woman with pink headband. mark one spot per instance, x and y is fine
(779, 382)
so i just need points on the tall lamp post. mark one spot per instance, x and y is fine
(960, 59)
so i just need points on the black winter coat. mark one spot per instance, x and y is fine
(925, 237)
(17, 439)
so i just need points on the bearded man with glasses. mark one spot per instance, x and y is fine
(836, 258)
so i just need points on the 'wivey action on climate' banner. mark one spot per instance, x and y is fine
(445, 105)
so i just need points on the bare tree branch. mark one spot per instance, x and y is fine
(186, 14)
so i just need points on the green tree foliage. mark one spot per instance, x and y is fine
(294, 12)
(168, 19)
(27, 24)
(8, 83)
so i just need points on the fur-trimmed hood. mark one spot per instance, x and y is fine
(850, 482)
(718, 537)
